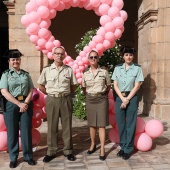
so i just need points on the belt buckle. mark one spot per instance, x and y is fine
(20, 98)
(123, 94)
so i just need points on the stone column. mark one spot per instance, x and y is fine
(33, 60)
(153, 54)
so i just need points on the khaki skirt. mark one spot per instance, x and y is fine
(97, 111)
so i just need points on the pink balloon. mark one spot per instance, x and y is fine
(103, 9)
(67, 5)
(101, 31)
(20, 143)
(38, 48)
(34, 17)
(42, 2)
(154, 128)
(74, 3)
(82, 53)
(43, 12)
(61, 6)
(45, 23)
(33, 28)
(112, 119)
(3, 143)
(122, 29)
(124, 15)
(118, 22)
(65, 0)
(2, 123)
(100, 47)
(78, 75)
(79, 80)
(111, 104)
(35, 95)
(143, 142)
(75, 66)
(95, 3)
(45, 51)
(50, 56)
(49, 46)
(53, 3)
(113, 12)
(43, 33)
(25, 20)
(34, 39)
(92, 44)
(56, 43)
(109, 27)
(117, 33)
(37, 112)
(41, 42)
(106, 44)
(87, 49)
(36, 123)
(35, 137)
(140, 126)
(31, 6)
(106, 1)
(81, 68)
(97, 39)
(85, 60)
(105, 19)
(118, 3)
(80, 63)
(68, 59)
(87, 5)
(52, 13)
(109, 36)
(114, 136)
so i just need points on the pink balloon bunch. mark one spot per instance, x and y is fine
(3, 134)
(37, 21)
(144, 133)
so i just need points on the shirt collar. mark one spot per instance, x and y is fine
(130, 67)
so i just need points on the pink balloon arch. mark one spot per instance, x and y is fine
(37, 21)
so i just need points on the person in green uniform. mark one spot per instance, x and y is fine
(58, 81)
(128, 78)
(17, 87)
(96, 85)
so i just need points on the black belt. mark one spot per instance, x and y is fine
(21, 98)
(125, 93)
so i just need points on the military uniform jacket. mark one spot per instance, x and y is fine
(57, 80)
(126, 78)
(96, 83)
(17, 83)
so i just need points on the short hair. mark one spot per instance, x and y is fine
(58, 47)
(93, 51)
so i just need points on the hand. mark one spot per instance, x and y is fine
(123, 106)
(125, 103)
(23, 107)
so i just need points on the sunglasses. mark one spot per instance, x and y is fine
(93, 57)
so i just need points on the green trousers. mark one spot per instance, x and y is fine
(56, 108)
(14, 121)
(126, 121)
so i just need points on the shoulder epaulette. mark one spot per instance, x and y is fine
(47, 65)
(137, 65)
(119, 65)
(24, 71)
(6, 71)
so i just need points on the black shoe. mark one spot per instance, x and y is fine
(13, 164)
(30, 162)
(48, 158)
(91, 151)
(120, 153)
(70, 157)
(126, 156)
(102, 158)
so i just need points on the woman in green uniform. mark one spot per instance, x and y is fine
(96, 85)
(128, 78)
(17, 87)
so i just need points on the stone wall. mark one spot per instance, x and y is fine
(153, 44)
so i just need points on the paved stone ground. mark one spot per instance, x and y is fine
(158, 158)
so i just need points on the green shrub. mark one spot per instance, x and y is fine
(109, 59)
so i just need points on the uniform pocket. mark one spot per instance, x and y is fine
(89, 81)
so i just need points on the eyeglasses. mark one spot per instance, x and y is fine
(62, 54)
(93, 57)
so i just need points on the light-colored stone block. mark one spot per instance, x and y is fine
(165, 113)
